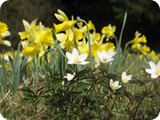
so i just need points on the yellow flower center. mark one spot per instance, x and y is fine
(76, 60)
(104, 58)
(125, 79)
(114, 85)
(158, 71)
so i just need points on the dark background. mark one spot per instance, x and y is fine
(143, 15)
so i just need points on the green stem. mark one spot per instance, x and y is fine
(89, 43)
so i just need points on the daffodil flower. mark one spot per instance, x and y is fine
(4, 33)
(155, 69)
(63, 26)
(75, 58)
(109, 30)
(106, 57)
(114, 85)
(69, 76)
(138, 38)
(126, 78)
(61, 16)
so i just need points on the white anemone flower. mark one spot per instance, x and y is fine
(126, 78)
(114, 85)
(157, 118)
(2, 118)
(155, 69)
(75, 58)
(106, 57)
(69, 76)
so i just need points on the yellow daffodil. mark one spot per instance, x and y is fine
(3, 28)
(136, 47)
(138, 38)
(95, 48)
(31, 49)
(107, 46)
(83, 47)
(63, 26)
(4, 33)
(145, 49)
(90, 27)
(78, 34)
(69, 45)
(44, 37)
(36, 39)
(61, 16)
(109, 31)
(96, 36)
(153, 55)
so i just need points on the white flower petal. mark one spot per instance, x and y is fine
(154, 75)
(69, 56)
(6, 42)
(71, 62)
(152, 65)
(150, 71)
(83, 62)
(5, 34)
(82, 57)
(129, 77)
(158, 64)
(75, 52)
(111, 82)
(75, 58)
(119, 86)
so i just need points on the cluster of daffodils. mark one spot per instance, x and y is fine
(75, 35)
(139, 45)
(72, 35)
(35, 39)
(4, 33)
(80, 40)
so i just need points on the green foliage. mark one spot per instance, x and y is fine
(140, 9)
